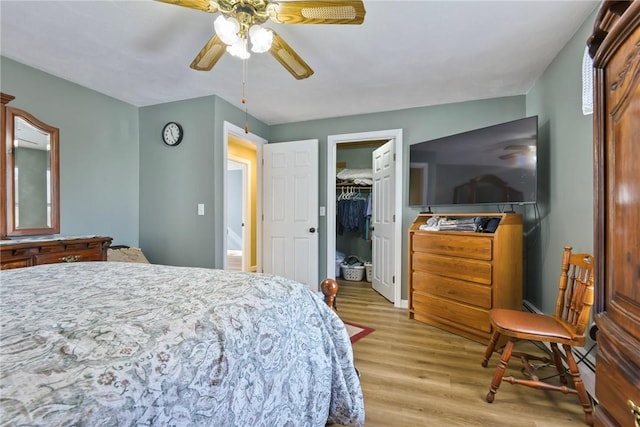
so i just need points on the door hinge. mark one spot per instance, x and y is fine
(394, 217)
(393, 279)
(394, 157)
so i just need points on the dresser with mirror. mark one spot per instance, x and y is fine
(30, 198)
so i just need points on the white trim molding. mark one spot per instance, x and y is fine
(332, 142)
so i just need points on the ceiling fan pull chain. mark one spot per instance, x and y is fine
(244, 99)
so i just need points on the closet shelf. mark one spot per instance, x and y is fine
(341, 185)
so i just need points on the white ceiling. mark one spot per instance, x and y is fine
(406, 54)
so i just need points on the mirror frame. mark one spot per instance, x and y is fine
(9, 212)
(5, 98)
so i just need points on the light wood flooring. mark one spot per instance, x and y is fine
(413, 374)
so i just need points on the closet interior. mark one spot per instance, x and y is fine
(354, 193)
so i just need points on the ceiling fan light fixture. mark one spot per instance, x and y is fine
(227, 29)
(261, 39)
(239, 49)
(239, 23)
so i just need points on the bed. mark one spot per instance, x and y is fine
(120, 343)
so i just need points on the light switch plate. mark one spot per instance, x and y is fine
(201, 209)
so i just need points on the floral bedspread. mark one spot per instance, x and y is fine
(117, 344)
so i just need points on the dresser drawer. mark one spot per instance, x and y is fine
(29, 252)
(452, 289)
(15, 263)
(69, 256)
(462, 314)
(457, 268)
(473, 246)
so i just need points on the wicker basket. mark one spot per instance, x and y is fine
(353, 273)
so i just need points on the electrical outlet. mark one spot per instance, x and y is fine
(200, 209)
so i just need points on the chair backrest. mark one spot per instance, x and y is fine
(575, 293)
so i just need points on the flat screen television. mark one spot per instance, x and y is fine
(492, 165)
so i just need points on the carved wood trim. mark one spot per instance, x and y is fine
(625, 70)
(609, 13)
(5, 98)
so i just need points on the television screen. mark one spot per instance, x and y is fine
(491, 165)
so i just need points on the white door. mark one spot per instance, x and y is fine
(383, 220)
(290, 211)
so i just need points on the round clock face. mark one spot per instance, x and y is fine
(172, 133)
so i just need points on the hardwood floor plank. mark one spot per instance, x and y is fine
(413, 374)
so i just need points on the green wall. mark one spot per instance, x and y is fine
(566, 157)
(99, 152)
(174, 180)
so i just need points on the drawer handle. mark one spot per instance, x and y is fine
(70, 258)
(635, 410)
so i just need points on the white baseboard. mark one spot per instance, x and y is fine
(587, 366)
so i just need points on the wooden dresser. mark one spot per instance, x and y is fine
(615, 48)
(456, 277)
(29, 252)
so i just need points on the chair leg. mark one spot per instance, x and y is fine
(502, 366)
(579, 386)
(490, 348)
(557, 360)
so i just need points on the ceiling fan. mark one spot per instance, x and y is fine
(240, 21)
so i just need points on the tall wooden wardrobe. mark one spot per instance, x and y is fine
(615, 48)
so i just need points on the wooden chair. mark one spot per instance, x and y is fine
(567, 327)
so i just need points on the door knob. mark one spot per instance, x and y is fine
(312, 230)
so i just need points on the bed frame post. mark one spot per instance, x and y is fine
(329, 289)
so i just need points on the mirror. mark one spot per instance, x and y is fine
(32, 180)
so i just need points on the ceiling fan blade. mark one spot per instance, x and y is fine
(317, 12)
(206, 5)
(289, 59)
(209, 55)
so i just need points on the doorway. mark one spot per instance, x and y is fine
(242, 231)
(239, 221)
(366, 137)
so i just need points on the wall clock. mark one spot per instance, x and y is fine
(172, 134)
